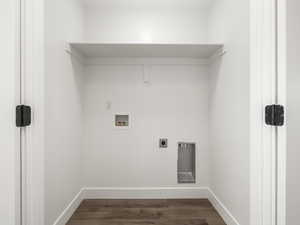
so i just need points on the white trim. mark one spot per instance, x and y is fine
(282, 100)
(262, 93)
(13, 176)
(222, 210)
(33, 95)
(69, 210)
(17, 149)
(145, 192)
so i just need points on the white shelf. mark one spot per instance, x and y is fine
(205, 50)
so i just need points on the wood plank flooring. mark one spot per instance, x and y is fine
(146, 212)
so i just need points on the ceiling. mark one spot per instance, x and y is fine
(203, 4)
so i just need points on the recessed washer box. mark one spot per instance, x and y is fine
(121, 120)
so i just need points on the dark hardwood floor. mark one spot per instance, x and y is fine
(146, 212)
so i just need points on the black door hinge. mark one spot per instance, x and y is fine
(274, 115)
(23, 116)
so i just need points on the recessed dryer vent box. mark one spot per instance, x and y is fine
(186, 170)
(122, 120)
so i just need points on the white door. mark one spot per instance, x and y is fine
(289, 95)
(293, 113)
(9, 134)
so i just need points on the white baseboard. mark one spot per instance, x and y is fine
(145, 193)
(69, 210)
(222, 210)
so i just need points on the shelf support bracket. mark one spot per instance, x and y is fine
(68, 48)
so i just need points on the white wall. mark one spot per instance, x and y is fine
(173, 106)
(147, 21)
(8, 91)
(293, 109)
(182, 103)
(229, 108)
(145, 24)
(63, 108)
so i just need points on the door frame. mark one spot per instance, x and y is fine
(268, 86)
(263, 91)
(32, 75)
(282, 100)
(11, 92)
